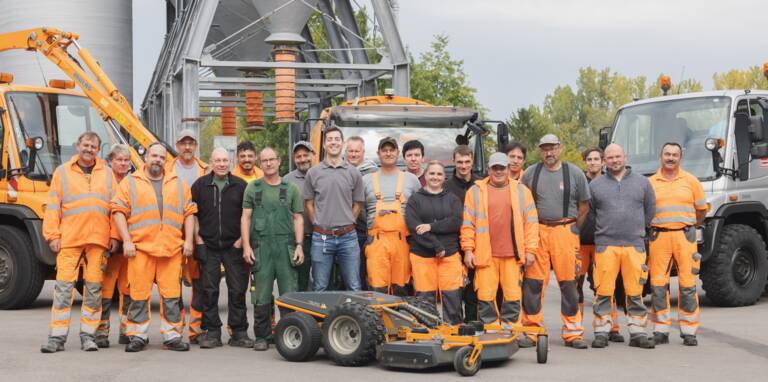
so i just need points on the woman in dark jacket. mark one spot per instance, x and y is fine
(433, 216)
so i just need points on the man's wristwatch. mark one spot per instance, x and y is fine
(298, 243)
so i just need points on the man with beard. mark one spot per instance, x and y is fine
(154, 214)
(246, 168)
(302, 159)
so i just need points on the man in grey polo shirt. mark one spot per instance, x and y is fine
(333, 194)
(561, 193)
(623, 203)
(302, 158)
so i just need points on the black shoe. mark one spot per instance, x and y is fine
(52, 346)
(176, 345)
(241, 340)
(690, 340)
(210, 341)
(123, 340)
(525, 342)
(578, 343)
(135, 345)
(660, 338)
(260, 344)
(102, 342)
(600, 342)
(615, 336)
(642, 342)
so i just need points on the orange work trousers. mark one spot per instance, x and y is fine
(558, 249)
(443, 276)
(587, 261)
(630, 261)
(504, 272)
(680, 247)
(387, 263)
(68, 263)
(191, 274)
(115, 277)
(145, 270)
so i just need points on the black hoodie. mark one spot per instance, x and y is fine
(443, 212)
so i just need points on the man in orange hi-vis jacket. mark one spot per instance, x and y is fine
(500, 232)
(77, 225)
(150, 209)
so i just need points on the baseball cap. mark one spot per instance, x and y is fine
(498, 159)
(303, 144)
(388, 141)
(549, 139)
(186, 133)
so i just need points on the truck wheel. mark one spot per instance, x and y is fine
(297, 337)
(542, 348)
(735, 275)
(351, 333)
(461, 362)
(21, 275)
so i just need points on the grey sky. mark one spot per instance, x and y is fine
(517, 51)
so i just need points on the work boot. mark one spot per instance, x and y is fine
(177, 345)
(261, 344)
(600, 342)
(52, 346)
(102, 342)
(210, 341)
(690, 340)
(88, 344)
(241, 340)
(578, 343)
(135, 345)
(660, 338)
(195, 340)
(615, 336)
(642, 342)
(525, 342)
(123, 340)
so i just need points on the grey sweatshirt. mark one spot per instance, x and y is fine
(622, 209)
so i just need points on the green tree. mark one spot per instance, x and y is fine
(750, 78)
(527, 125)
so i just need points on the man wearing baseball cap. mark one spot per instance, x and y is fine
(188, 167)
(303, 154)
(499, 234)
(562, 196)
(386, 194)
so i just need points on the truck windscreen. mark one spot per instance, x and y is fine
(642, 130)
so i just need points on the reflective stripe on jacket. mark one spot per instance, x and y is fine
(677, 200)
(475, 232)
(150, 233)
(77, 211)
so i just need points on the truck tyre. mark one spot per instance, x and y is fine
(21, 275)
(735, 275)
(297, 337)
(351, 334)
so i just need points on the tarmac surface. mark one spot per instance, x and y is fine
(733, 346)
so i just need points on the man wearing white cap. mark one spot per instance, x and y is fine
(188, 167)
(499, 234)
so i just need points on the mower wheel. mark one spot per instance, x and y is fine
(542, 348)
(351, 334)
(461, 362)
(297, 337)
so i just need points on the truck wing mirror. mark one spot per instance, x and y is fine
(34, 145)
(502, 136)
(743, 143)
(605, 135)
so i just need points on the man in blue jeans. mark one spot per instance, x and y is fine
(333, 195)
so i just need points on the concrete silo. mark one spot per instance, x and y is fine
(105, 29)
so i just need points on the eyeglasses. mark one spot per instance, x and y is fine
(268, 160)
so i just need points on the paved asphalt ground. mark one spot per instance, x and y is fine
(733, 346)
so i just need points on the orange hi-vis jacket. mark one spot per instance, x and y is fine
(202, 167)
(77, 211)
(151, 234)
(475, 230)
(677, 200)
(257, 173)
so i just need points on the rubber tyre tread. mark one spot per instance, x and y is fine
(542, 348)
(426, 306)
(310, 334)
(371, 330)
(461, 367)
(717, 277)
(29, 276)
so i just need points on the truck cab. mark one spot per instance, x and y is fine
(39, 127)
(724, 137)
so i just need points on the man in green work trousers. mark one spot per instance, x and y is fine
(273, 224)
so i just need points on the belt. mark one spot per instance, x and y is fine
(661, 229)
(555, 223)
(335, 231)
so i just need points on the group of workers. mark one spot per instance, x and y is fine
(483, 247)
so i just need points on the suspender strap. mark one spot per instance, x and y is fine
(566, 188)
(535, 184)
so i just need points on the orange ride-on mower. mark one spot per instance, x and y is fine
(355, 328)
